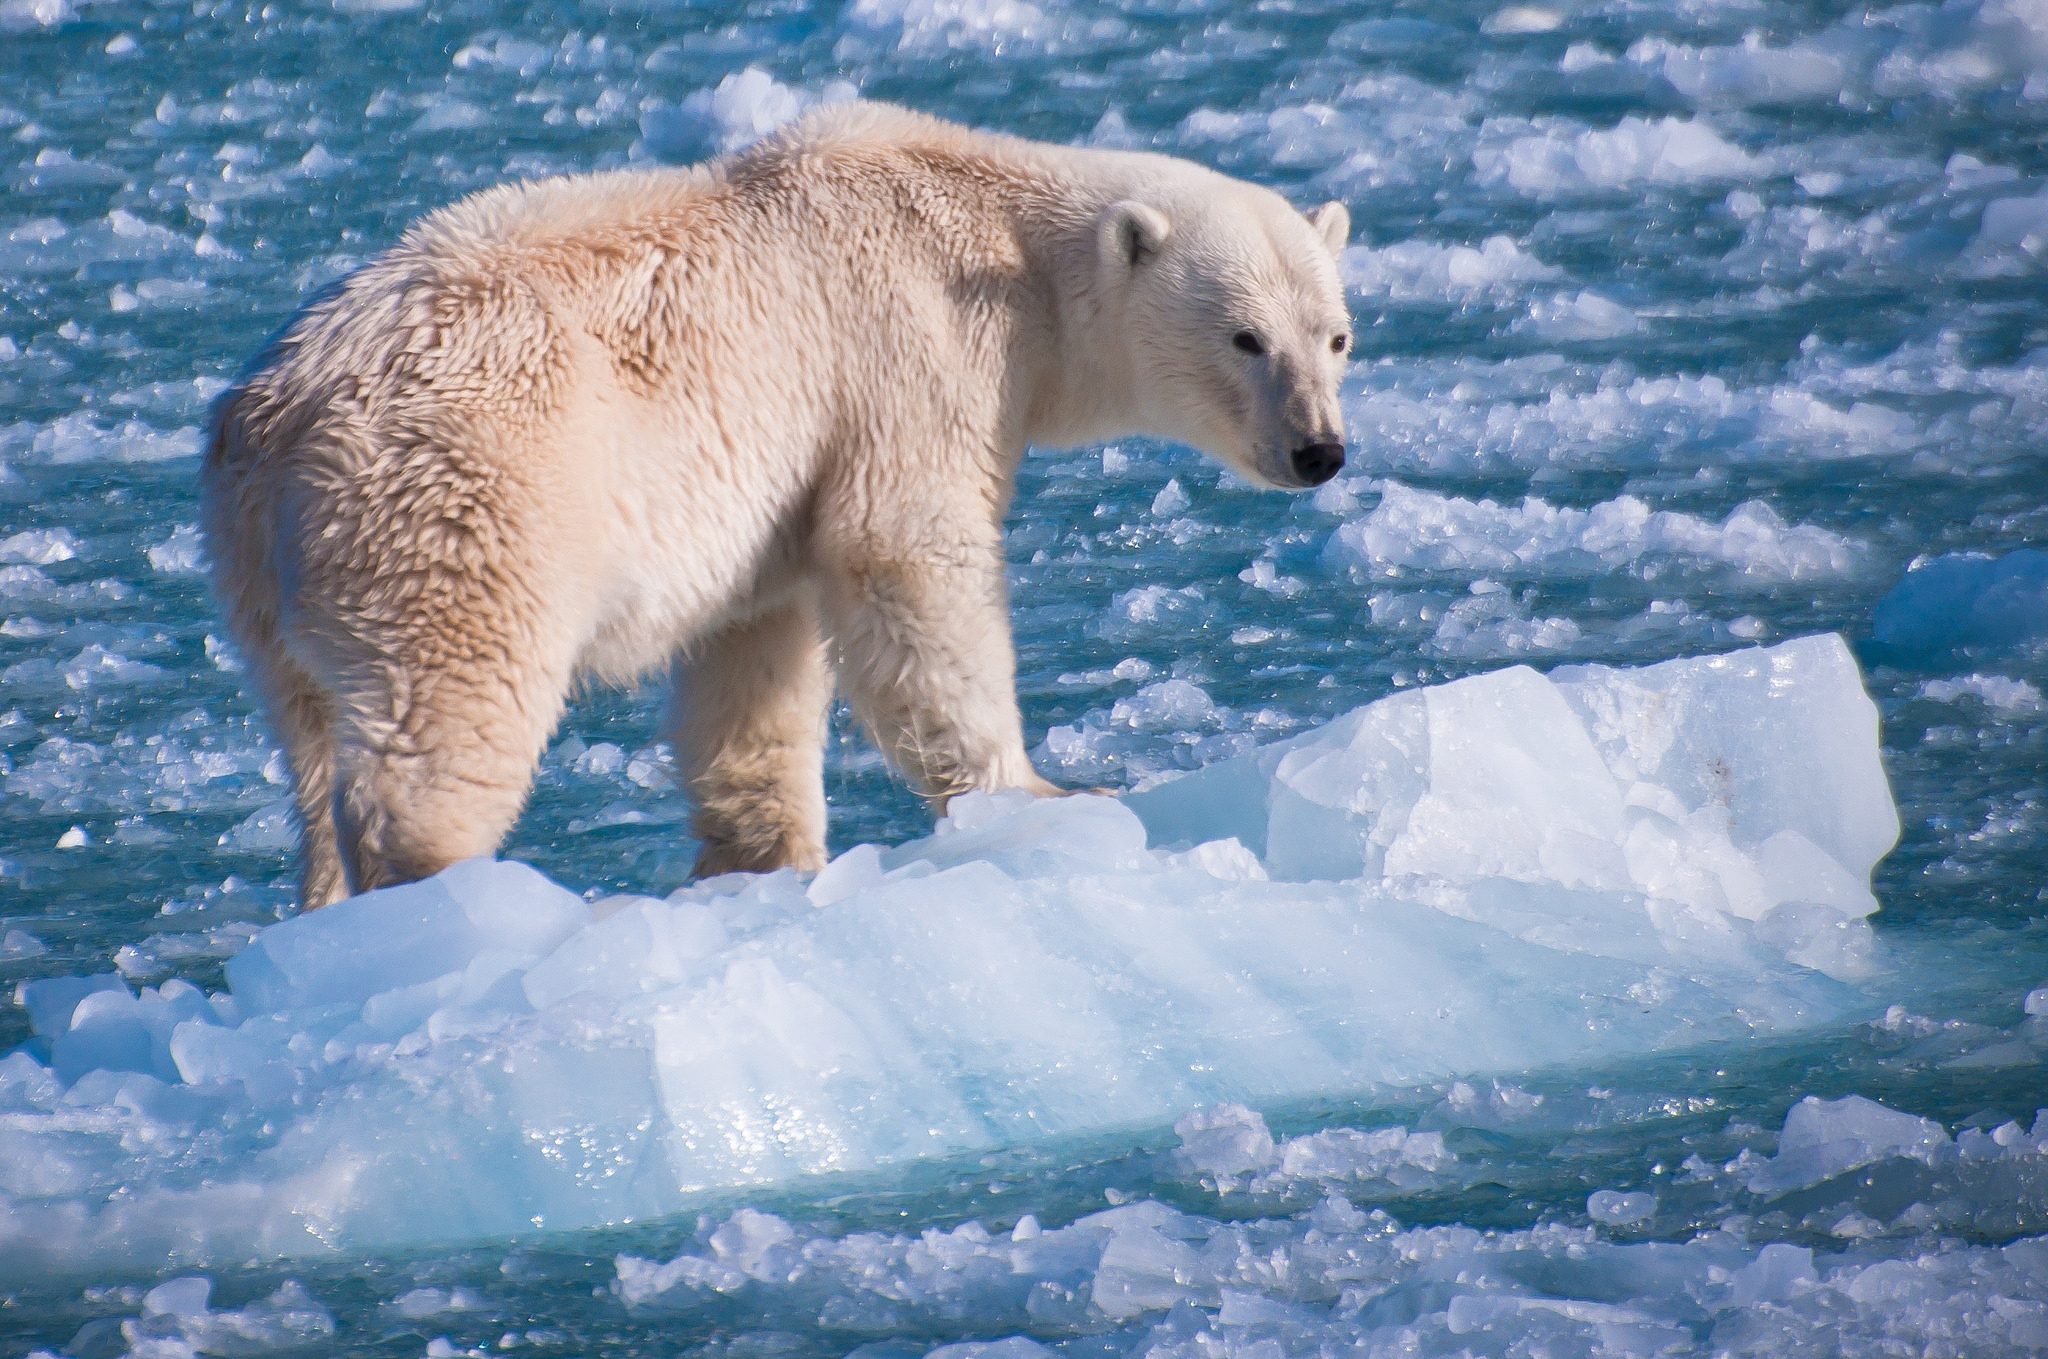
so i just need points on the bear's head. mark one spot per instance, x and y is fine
(1229, 309)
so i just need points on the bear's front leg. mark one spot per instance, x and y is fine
(748, 725)
(920, 626)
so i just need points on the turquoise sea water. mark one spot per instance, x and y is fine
(1680, 328)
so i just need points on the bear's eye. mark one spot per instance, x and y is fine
(1338, 343)
(1248, 342)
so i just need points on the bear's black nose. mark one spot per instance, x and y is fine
(1317, 463)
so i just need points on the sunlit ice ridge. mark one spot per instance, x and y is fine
(1508, 872)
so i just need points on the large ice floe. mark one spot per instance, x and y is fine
(1507, 872)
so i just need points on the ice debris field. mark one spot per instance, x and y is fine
(1573, 884)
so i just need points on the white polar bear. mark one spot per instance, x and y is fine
(758, 419)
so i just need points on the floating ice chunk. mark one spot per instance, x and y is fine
(740, 110)
(55, 168)
(75, 438)
(183, 553)
(1617, 1209)
(1491, 623)
(1559, 158)
(994, 25)
(269, 827)
(2015, 224)
(446, 113)
(1421, 529)
(19, 15)
(1963, 600)
(1150, 608)
(113, 1029)
(1778, 1274)
(1170, 501)
(1569, 317)
(51, 1001)
(177, 1320)
(1748, 74)
(599, 761)
(1231, 1146)
(501, 51)
(1402, 1159)
(1409, 271)
(1264, 575)
(1521, 19)
(1826, 1138)
(40, 547)
(185, 1297)
(420, 1303)
(21, 944)
(1016, 1347)
(1169, 705)
(1026, 836)
(1994, 691)
(1226, 1140)
(94, 666)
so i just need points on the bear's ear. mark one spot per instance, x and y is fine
(1333, 223)
(1131, 232)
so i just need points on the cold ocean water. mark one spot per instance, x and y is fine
(1517, 1015)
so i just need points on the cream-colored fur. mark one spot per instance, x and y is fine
(756, 420)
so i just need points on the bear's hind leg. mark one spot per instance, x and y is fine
(748, 724)
(433, 768)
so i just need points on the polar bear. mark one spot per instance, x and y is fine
(756, 421)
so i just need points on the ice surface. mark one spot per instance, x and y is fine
(1504, 872)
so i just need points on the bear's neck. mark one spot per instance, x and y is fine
(1081, 390)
